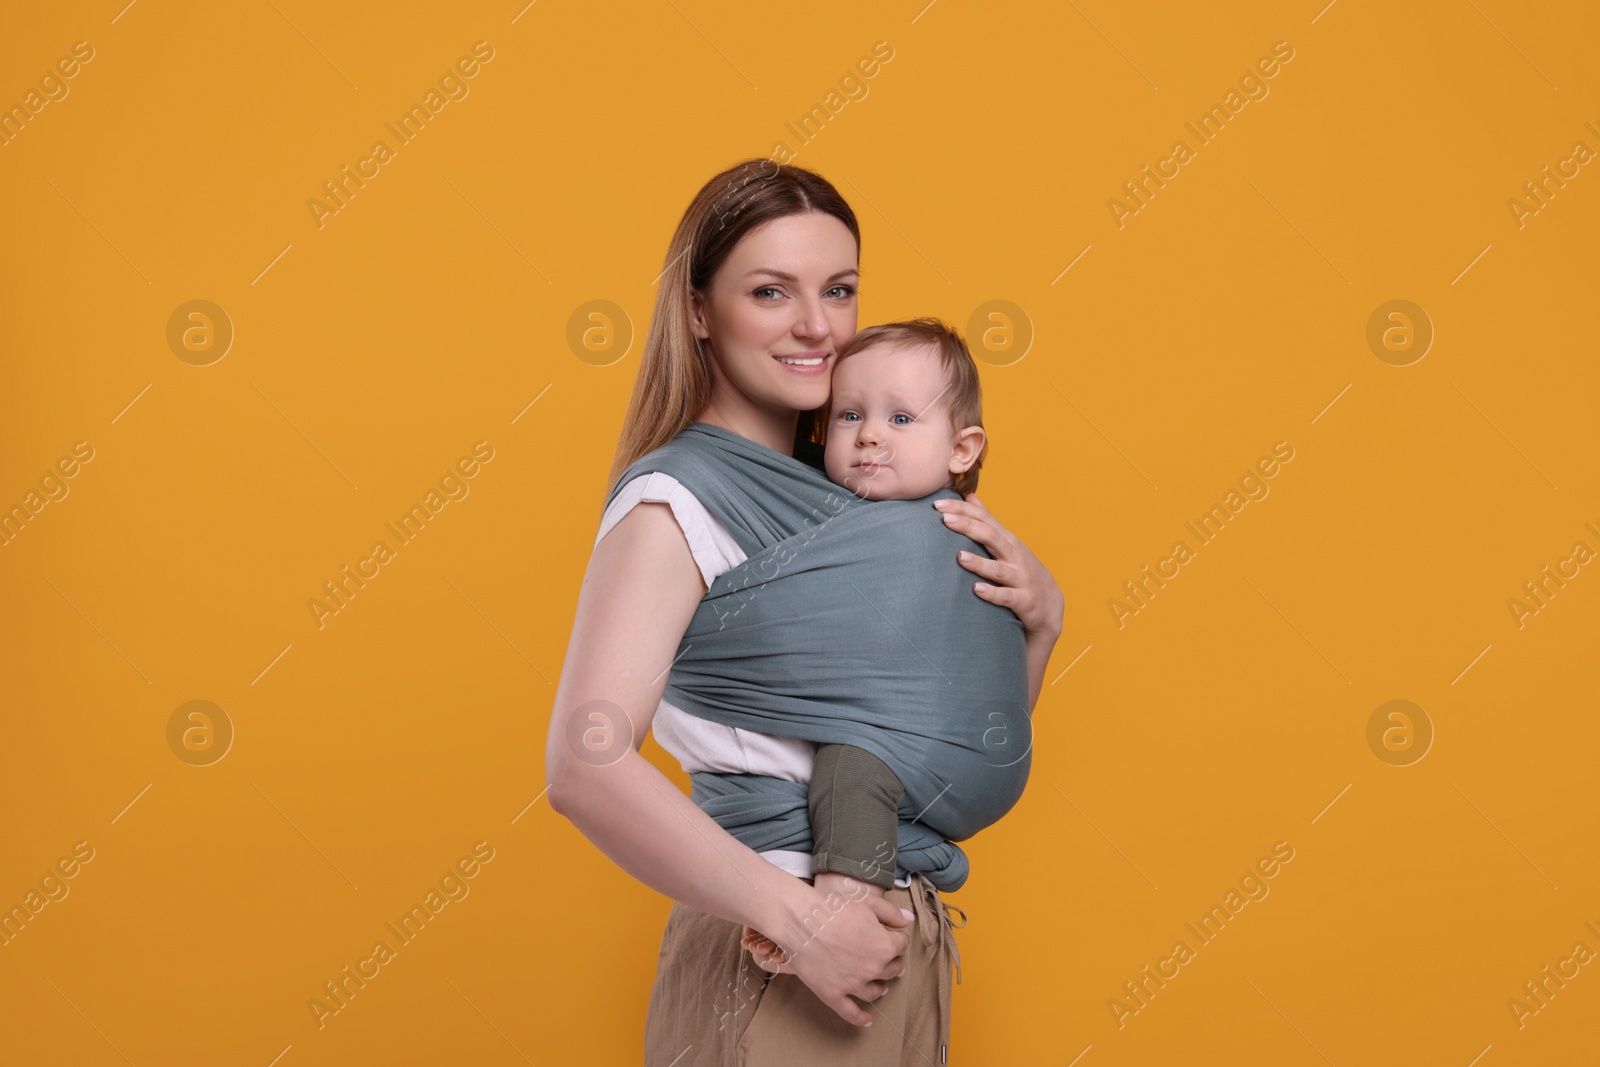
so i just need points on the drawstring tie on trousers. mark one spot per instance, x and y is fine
(935, 925)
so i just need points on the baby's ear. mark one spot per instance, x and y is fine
(968, 445)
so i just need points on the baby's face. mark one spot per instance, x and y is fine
(889, 434)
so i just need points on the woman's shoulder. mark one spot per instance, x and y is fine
(683, 457)
(713, 548)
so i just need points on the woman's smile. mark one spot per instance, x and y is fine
(807, 363)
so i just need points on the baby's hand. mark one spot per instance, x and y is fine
(765, 951)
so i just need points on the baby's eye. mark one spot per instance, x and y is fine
(897, 419)
(848, 416)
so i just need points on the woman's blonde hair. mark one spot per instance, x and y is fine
(673, 385)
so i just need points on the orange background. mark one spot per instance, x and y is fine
(369, 354)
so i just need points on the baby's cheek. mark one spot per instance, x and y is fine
(834, 462)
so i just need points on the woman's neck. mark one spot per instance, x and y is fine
(774, 429)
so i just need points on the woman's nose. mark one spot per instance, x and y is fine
(810, 321)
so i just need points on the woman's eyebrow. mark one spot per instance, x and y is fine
(786, 276)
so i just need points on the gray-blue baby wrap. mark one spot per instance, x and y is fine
(851, 622)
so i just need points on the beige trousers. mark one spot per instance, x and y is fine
(711, 1006)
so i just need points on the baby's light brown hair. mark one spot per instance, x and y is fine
(961, 378)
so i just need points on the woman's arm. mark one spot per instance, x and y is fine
(1014, 578)
(639, 593)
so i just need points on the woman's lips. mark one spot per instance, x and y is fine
(815, 363)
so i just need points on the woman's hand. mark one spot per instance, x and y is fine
(844, 948)
(1014, 578)
(765, 951)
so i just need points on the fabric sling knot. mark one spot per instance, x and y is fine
(851, 622)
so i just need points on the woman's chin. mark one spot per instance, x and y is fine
(803, 395)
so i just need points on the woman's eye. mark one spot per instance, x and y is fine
(764, 289)
(844, 291)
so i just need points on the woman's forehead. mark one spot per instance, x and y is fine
(813, 246)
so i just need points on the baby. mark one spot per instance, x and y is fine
(904, 420)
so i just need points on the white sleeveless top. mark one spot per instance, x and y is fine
(700, 744)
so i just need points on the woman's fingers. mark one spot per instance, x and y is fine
(1021, 582)
(871, 991)
(847, 1010)
(978, 526)
(994, 570)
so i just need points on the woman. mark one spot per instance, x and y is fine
(758, 296)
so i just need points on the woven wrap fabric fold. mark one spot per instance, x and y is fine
(851, 622)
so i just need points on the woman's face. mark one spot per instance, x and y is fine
(777, 312)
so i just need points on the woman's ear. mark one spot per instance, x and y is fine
(969, 443)
(697, 315)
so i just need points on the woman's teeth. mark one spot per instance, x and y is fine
(809, 361)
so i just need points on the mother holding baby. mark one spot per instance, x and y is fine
(756, 303)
